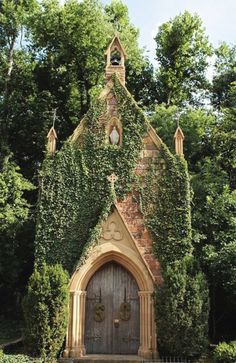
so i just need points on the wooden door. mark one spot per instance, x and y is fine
(112, 312)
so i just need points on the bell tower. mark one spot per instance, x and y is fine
(116, 57)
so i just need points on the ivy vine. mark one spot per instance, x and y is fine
(76, 197)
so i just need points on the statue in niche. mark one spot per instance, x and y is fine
(114, 136)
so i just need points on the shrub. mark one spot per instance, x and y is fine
(225, 353)
(45, 311)
(19, 358)
(181, 306)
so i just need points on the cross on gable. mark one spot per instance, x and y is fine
(112, 179)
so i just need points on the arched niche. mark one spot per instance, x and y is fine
(114, 126)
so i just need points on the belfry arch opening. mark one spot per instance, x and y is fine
(115, 59)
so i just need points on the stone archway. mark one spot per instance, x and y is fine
(130, 260)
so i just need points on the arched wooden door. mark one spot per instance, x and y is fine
(112, 312)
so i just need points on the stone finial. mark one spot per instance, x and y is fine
(52, 137)
(179, 141)
(116, 57)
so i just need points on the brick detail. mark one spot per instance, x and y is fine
(111, 104)
(119, 70)
(147, 155)
(134, 219)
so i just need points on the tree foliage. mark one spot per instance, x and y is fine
(14, 208)
(196, 123)
(15, 230)
(209, 148)
(225, 353)
(214, 220)
(45, 311)
(224, 75)
(52, 57)
(182, 310)
(182, 51)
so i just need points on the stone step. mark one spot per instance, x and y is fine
(106, 358)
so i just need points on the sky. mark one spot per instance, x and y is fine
(218, 16)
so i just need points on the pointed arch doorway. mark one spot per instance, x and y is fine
(112, 312)
(75, 342)
(119, 254)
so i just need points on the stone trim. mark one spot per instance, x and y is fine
(127, 258)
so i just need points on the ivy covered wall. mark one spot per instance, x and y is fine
(75, 197)
(75, 193)
(181, 302)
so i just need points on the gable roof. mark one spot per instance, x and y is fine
(129, 239)
(179, 132)
(116, 39)
(52, 132)
(104, 93)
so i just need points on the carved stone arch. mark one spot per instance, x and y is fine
(119, 253)
(130, 260)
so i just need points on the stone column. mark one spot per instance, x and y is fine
(146, 325)
(75, 336)
(66, 352)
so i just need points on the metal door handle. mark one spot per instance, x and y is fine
(116, 323)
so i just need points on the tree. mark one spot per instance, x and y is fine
(142, 85)
(214, 223)
(209, 148)
(182, 310)
(15, 215)
(12, 21)
(214, 208)
(224, 75)
(45, 311)
(196, 123)
(182, 51)
(224, 138)
(28, 116)
(73, 39)
(14, 208)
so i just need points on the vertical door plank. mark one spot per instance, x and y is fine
(98, 335)
(126, 336)
(104, 337)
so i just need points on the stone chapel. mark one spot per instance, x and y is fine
(111, 308)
